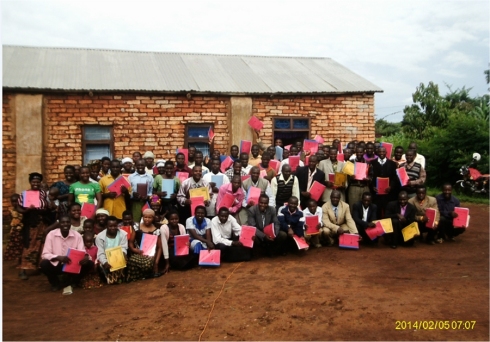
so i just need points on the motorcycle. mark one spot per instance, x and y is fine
(473, 181)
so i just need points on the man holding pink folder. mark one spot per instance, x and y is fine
(426, 215)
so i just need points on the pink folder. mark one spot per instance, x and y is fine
(210, 134)
(227, 201)
(244, 178)
(288, 147)
(118, 184)
(88, 210)
(463, 218)
(195, 202)
(185, 151)
(373, 233)
(31, 197)
(389, 148)
(255, 123)
(331, 177)
(402, 176)
(181, 245)
(360, 170)
(340, 157)
(146, 206)
(316, 190)
(310, 145)
(148, 244)
(294, 162)
(350, 241)
(246, 236)
(319, 139)
(311, 225)
(253, 194)
(263, 173)
(209, 257)
(431, 215)
(275, 164)
(307, 160)
(269, 231)
(382, 184)
(75, 256)
(182, 176)
(245, 146)
(226, 164)
(300, 242)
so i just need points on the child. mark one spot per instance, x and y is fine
(53, 204)
(14, 246)
(91, 279)
(314, 210)
(128, 223)
(88, 226)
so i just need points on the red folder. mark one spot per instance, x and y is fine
(360, 170)
(350, 241)
(253, 194)
(185, 151)
(127, 229)
(389, 148)
(463, 218)
(340, 157)
(117, 184)
(275, 164)
(244, 178)
(431, 215)
(402, 176)
(210, 134)
(269, 231)
(195, 202)
(31, 197)
(225, 164)
(310, 145)
(373, 233)
(75, 256)
(316, 190)
(209, 257)
(300, 242)
(148, 244)
(311, 225)
(319, 139)
(146, 206)
(142, 189)
(255, 123)
(382, 184)
(182, 176)
(245, 146)
(294, 162)
(227, 201)
(331, 177)
(155, 170)
(246, 236)
(181, 245)
(88, 210)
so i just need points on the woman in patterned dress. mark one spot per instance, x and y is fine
(15, 244)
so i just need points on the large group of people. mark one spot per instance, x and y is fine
(159, 201)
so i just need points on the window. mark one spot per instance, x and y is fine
(97, 142)
(197, 136)
(290, 130)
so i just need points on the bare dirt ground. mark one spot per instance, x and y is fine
(323, 294)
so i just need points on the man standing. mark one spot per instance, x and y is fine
(183, 196)
(261, 215)
(264, 165)
(235, 189)
(357, 187)
(257, 182)
(198, 160)
(149, 158)
(113, 203)
(446, 203)
(215, 171)
(418, 158)
(337, 219)
(401, 214)
(236, 170)
(255, 159)
(180, 165)
(144, 180)
(244, 161)
(422, 202)
(331, 165)
(415, 172)
(363, 214)
(306, 176)
(384, 168)
(284, 186)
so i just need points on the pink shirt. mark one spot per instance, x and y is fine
(92, 251)
(56, 244)
(239, 196)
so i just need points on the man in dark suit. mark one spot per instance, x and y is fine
(306, 176)
(260, 216)
(401, 214)
(364, 213)
(384, 168)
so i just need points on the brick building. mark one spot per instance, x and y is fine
(66, 106)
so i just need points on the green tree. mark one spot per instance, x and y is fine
(385, 128)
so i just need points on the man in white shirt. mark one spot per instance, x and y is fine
(418, 157)
(285, 186)
(208, 177)
(226, 231)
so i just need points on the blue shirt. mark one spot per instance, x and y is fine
(447, 206)
(296, 220)
(136, 179)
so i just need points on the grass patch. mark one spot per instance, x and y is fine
(477, 198)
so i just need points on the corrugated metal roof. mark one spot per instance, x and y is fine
(108, 70)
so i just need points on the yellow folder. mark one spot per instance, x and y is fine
(115, 258)
(386, 224)
(410, 231)
(200, 192)
(340, 179)
(348, 168)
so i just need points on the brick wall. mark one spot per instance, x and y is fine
(8, 152)
(342, 117)
(140, 123)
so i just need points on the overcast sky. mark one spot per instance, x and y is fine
(395, 45)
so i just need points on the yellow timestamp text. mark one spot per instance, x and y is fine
(435, 325)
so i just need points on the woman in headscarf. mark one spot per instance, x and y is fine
(64, 188)
(143, 265)
(32, 205)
